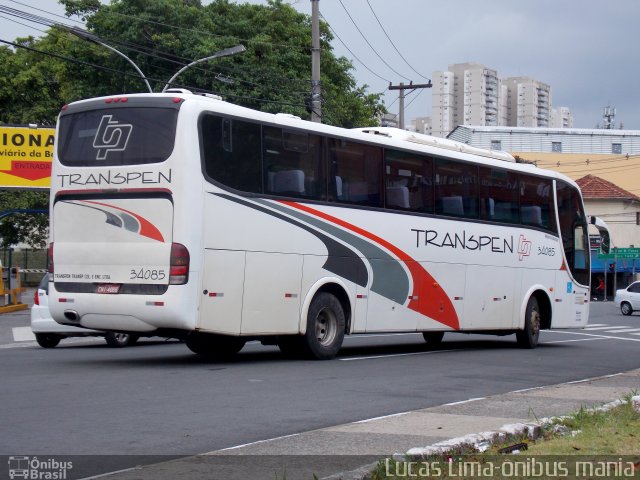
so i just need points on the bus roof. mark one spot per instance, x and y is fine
(386, 136)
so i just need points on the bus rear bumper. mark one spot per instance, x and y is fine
(124, 313)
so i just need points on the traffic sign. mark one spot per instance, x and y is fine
(620, 253)
(626, 251)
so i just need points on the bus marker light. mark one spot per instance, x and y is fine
(65, 300)
(216, 294)
(413, 297)
(155, 304)
(290, 295)
(361, 296)
(458, 298)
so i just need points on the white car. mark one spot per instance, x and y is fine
(48, 332)
(628, 299)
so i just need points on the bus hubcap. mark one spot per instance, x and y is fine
(326, 327)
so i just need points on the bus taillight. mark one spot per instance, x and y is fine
(50, 259)
(179, 264)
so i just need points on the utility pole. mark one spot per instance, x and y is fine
(316, 93)
(402, 87)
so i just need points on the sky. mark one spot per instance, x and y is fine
(586, 50)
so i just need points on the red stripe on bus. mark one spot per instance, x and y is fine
(147, 229)
(433, 303)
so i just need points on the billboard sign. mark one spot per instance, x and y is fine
(25, 156)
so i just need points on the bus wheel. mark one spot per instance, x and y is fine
(47, 340)
(325, 327)
(214, 346)
(528, 336)
(433, 338)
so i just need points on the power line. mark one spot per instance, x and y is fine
(138, 48)
(368, 43)
(120, 72)
(153, 53)
(393, 44)
(353, 54)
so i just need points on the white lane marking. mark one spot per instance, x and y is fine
(382, 417)
(102, 475)
(605, 327)
(372, 357)
(624, 330)
(464, 401)
(254, 443)
(577, 340)
(23, 334)
(598, 336)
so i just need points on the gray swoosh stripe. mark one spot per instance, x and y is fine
(389, 277)
(341, 260)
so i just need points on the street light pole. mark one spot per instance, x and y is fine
(222, 53)
(92, 38)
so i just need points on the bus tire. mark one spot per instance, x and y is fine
(214, 346)
(529, 335)
(625, 308)
(325, 327)
(48, 340)
(119, 340)
(433, 338)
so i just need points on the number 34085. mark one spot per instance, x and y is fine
(147, 274)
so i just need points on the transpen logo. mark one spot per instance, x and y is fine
(111, 136)
(524, 247)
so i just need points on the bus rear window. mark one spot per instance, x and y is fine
(117, 136)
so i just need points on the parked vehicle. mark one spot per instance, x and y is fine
(628, 299)
(48, 332)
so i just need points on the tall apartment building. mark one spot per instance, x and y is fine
(528, 102)
(466, 94)
(561, 117)
(473, 94)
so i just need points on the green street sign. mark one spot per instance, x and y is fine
(626, 251)
(620, 254)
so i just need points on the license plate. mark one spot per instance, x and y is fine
(108, 288)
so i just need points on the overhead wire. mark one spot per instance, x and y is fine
(393, 44)
(143, 50)
(369, 43)
(138, 47)
(121, 72)
(351, 52)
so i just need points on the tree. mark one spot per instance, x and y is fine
(28, 227)
(274, 74)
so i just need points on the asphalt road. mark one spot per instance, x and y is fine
(157, 398)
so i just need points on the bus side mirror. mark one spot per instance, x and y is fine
(603, 229)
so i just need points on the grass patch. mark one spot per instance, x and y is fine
(586, 444)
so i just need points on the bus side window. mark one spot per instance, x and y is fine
(499, 195)
(292, 163)
(536, 202)
(456, 188)
(358, 166)
(236, 164)
(408, 181)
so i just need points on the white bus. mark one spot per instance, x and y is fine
(181, 215)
